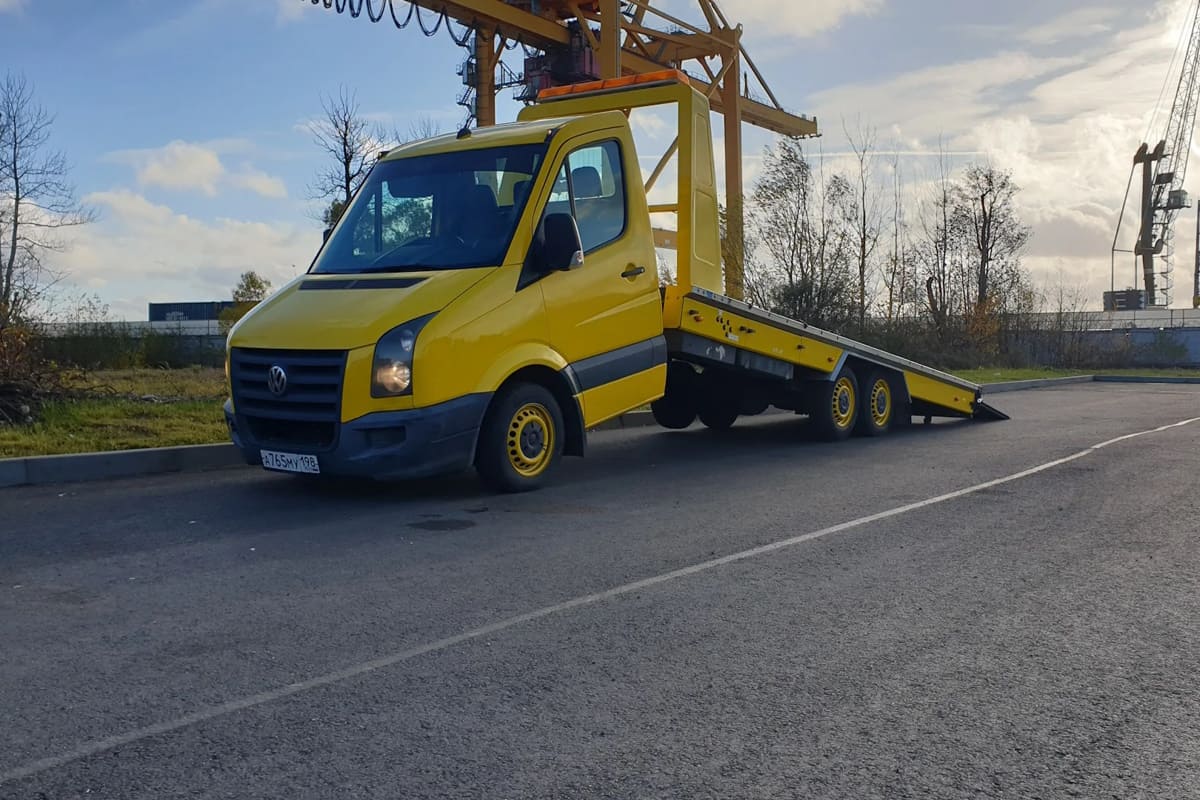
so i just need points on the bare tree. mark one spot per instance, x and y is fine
(868, 221)
(938, 237)
(898, 276)
(36, 201)
(983, 206)
(423, 127)
(352, 142)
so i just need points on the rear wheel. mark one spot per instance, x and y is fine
(521, 438)
(676, 409)
(719, 413)
(720, 401)
(835, 406)
(879, 405)
(673, 413)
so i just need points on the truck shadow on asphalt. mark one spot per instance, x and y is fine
(613, 455)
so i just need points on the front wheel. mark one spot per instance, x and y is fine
(521, 438)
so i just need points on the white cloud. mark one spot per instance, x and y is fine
(260, 183)
(180, 165)
(290, 10)
(11, 5)
(1077, 24)
(947, 98)
(190, 166)
(141, 250)
(794, 18)
(1066, 121)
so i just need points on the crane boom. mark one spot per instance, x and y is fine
(1183, 116)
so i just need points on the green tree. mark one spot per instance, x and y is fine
(251, 290)
(800, 251)
(331, 215)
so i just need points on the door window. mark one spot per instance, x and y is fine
(591, 187)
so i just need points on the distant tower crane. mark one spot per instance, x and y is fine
(1163, 171)
(571, 41)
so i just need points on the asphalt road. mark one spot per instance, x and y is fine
(683, 615)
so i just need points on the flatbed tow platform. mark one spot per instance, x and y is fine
(763, 359)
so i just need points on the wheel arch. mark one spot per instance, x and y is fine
(560, 386)
(862, 367)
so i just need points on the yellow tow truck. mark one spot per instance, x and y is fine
(488, 297)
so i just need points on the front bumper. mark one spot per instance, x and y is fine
(417, 443)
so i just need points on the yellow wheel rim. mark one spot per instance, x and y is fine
(531, 440)
(843, 403)
(881, 403)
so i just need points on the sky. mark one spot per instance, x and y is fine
(185, 123)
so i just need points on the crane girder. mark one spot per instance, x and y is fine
(537, 30)
(626, 44)
(547, 29)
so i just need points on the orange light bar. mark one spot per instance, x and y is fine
(608, 84)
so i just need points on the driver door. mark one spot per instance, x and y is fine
(605, 317)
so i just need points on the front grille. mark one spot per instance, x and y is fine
(307, 412)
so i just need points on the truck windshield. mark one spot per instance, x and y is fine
(442, 211)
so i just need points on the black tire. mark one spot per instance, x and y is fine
(834, 406)
(720, 400)
(521, 439)
(673, 412)
(676, 409)
(719, 413)
(877, 412)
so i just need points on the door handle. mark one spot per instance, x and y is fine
(632, 271)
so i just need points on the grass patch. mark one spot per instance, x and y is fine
(994, 375)
(85, 426)
(180, 407)
(194, 383)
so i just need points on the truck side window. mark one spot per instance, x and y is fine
(591, 185)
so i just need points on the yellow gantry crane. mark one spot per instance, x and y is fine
(584, 40)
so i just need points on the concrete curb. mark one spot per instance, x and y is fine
(634, 419)
(1133, 379)
(1035, 383)
(40, 470)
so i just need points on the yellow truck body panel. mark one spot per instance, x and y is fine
(489, 296)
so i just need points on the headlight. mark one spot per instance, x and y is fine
(391, 370)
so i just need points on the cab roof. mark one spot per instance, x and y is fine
(505, 134)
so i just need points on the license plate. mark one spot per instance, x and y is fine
(290, 462)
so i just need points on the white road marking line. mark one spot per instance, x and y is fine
(241, 704)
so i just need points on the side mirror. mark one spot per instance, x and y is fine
(325, 235)
(560, 245)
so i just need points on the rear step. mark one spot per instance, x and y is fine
(986, 413)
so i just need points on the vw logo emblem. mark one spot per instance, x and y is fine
(277, 380)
